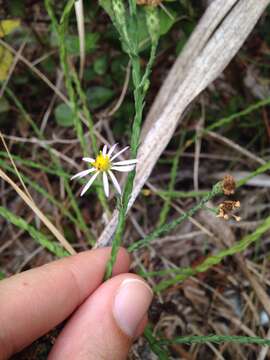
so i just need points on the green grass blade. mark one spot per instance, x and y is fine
(216, 339)
(181, 194)
(216, 259)
(175, 165)
(59, 170)
(141, 85)
(53, 247)
(155, 344)
(210, 195)
(162, 230)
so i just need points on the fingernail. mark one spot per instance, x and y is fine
(131, 303)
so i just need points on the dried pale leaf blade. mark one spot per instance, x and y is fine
(39, 213)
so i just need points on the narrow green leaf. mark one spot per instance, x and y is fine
(216, 339)
(52, 246)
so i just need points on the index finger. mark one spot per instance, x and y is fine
(36, 300)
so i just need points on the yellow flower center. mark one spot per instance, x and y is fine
(102, 163)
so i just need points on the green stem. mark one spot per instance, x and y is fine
(74, 88)
(216, 339)
(216, 259)
(52, 246)
(89, 119)
(171, 225)
(166, 207)
(141, 84)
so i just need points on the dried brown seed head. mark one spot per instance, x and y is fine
(237, 218)
(226, 209)
(228, 185)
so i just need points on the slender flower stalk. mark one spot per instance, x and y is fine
(104, 164)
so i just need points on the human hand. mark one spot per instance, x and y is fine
(106, 317)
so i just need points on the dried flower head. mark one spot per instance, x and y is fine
(228, 185)
(104, 164)
(226, 209)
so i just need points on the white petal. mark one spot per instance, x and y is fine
(112, 148)
(104, 151)
(91, 160)
(123, 168)
(126, 162)
(106, 184)
(115, 182)
(90, 182)
(83, 173)
(119, 152)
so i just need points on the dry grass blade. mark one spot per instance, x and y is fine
(262, 296)
(81, 32)
(15, 167)
(236, 147)
(40, 214)
(259, 290)
(217, 38)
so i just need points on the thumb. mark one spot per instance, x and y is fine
(104, 326)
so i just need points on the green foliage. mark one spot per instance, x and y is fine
(166, 22)
(39, 189)
(175, 167)
(72, 42)
(73, 85)
(62, 33)
(73, 47)
(127, 26)
(158, 345)
(155, 344)
(216, 259)
(215, 339)
(159, 231)
(2, 275)
(63, 115)
(139, 29)
(58, 170)
(135, 32)
(235, 116)
(16, 8)
(153, 23)
(4, 105)
(164, 229)
(98, 96)
(52, 246)
(181, 194)
(100, 65)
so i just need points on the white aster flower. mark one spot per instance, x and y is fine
(104, 164)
